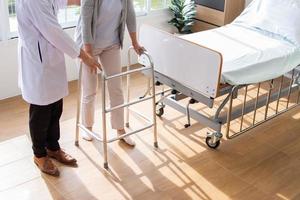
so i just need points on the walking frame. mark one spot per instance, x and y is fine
(147, 65)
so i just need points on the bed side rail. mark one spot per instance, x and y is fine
(272, 98)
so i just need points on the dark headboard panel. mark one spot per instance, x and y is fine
(214, 4)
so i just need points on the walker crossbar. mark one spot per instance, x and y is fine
(149, 123)
(127, 73)
(128, 104)
(97, 137)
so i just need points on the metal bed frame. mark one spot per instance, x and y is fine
(151, 123)
(179, 92)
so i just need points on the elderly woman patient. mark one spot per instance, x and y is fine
(100, 32)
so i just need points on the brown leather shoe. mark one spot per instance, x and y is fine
(46, 165)
(62, 157)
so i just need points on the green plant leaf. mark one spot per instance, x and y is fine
(184, 12)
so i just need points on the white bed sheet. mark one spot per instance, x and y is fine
(248, 55)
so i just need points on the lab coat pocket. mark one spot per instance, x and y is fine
(40, 52)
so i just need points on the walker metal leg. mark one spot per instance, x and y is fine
(127, 97)
(78, 105)
(149, 85)
(128, 87)
(104, 121)
(154, 108)
(149, 88)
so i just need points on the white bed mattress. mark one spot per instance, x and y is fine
(249, 56)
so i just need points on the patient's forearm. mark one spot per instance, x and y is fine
(133, 38)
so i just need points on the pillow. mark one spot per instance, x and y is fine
(249, 14)
(280, 17)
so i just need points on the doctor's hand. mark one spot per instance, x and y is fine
(89, 61)
(88, 48)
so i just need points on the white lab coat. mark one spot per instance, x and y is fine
(42, 44)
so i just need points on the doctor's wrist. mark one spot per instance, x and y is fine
(82, 54)
(88, 49)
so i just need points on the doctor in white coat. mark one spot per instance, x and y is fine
(42, 75)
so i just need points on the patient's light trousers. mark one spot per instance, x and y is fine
(110, 59)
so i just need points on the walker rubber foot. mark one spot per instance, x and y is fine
(105, 166)
(156, 144)
(77, 143)
(187, 125)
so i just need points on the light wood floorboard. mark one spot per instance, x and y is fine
(262, 164)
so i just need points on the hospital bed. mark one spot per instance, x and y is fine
(224, 63)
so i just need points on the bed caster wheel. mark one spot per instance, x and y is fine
(127, 124)
(156, 144)
(160, 112)
(187, 125)
(77, 143)
(211, 144)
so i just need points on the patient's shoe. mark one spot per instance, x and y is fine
(86, 136)
(46, 165)
(128, 140)
(62, 157)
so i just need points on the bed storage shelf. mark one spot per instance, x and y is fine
(215, 13)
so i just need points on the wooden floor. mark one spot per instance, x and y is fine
(262, 164)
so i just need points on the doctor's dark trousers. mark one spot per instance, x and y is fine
(44, 127)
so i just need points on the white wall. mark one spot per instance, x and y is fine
(8, 54)
(9, 64)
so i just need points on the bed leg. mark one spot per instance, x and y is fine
(191, 101)
(213, 140)
(188, 115)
